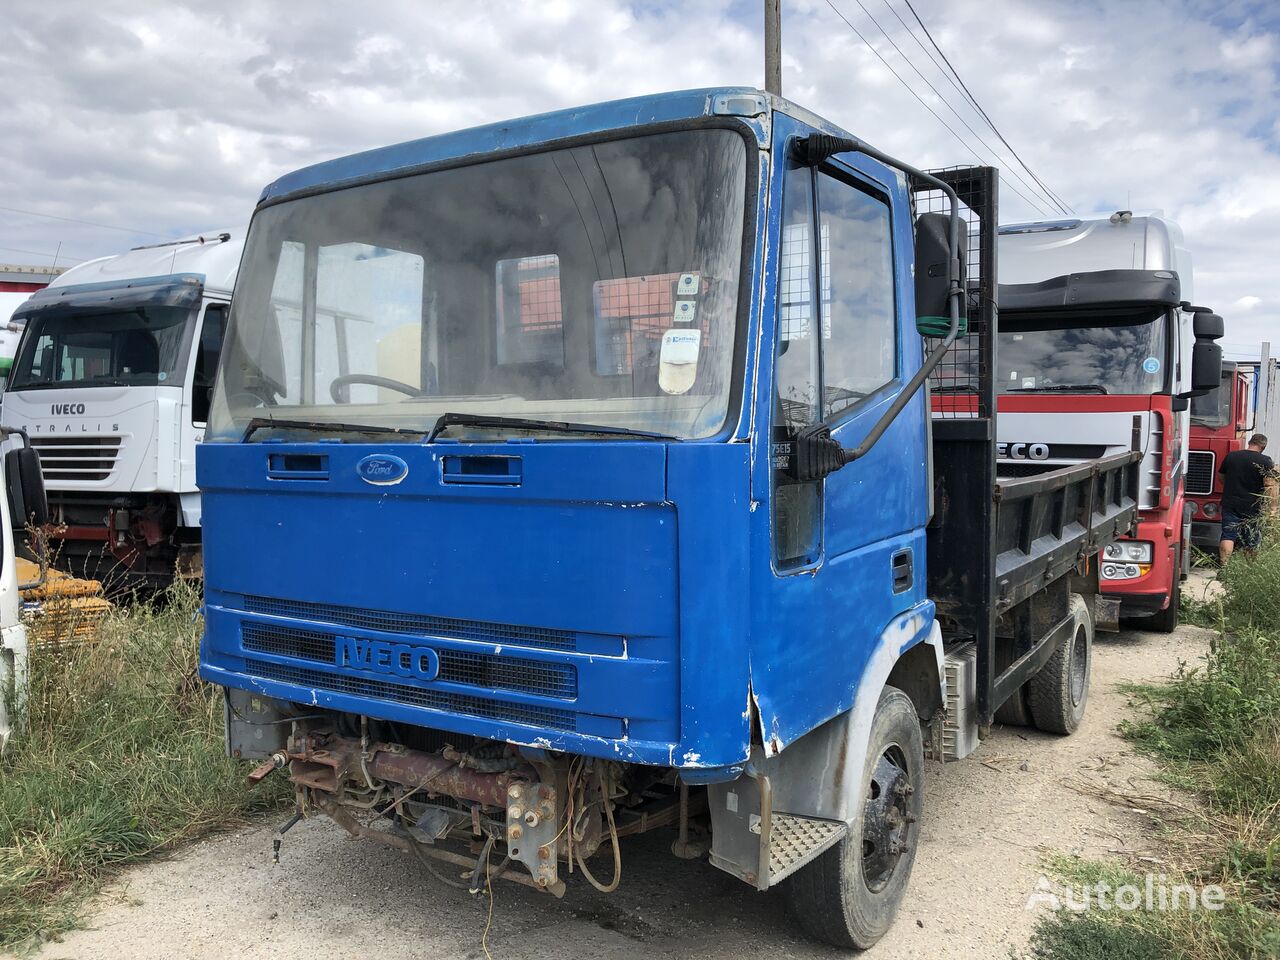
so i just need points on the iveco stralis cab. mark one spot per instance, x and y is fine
(1097, 341)
(112, 382)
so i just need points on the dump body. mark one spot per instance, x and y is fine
(112, 382)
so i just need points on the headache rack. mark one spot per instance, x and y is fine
(1003, 554)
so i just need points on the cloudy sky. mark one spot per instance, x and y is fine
(154, 120)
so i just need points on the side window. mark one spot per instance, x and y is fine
(208, 350)
(797, 507)
(530, 320)
(860, 346)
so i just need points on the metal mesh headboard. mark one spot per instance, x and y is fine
(963, 384)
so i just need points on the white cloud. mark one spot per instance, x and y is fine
(171, 117)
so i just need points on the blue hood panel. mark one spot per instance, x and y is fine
(538, 605)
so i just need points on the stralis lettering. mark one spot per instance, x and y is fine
(67, 409)
(82, 427)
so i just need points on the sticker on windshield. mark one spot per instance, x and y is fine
(687, 285)
(685, 311)
(678, 360)
(1151, 365)
(1028, 383)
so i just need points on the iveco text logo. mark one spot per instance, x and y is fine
(382, 469)
(66, 409)
(394, 659)
(1023, 451)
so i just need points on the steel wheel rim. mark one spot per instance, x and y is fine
(886, 818)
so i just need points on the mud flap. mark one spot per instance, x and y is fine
(1106, 613)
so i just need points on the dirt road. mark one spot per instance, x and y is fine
(986, 820)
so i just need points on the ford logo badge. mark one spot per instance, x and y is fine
(382, 469)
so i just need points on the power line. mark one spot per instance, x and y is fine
(977, 106)
(87, 223)
(920, 99)
(938, 93)
(40, 253)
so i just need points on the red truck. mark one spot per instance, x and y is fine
(1220, 423)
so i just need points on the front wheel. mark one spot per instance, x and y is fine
(849, 896)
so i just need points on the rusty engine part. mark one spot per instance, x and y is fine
(325, 762)
(547, 811)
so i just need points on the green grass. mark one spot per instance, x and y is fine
(1215, 731)
(121, 758)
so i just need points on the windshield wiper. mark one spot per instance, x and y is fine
(954, 388)
(258, 423)
(447, 420)
(1060, 388)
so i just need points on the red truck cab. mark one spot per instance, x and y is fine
(1219, 424)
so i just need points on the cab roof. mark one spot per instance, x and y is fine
(215, 260)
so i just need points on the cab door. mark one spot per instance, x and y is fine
(846, 553)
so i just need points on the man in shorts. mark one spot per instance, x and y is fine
(1248, 485)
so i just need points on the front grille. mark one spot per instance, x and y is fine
(77, 458)
(414, 623)
(1200, 472)
(532, 715)
(456, 666)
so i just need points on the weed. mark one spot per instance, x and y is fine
(121, 757)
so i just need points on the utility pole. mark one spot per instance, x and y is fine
(773, 47)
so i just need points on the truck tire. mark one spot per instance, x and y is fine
(849, 896)
(1058, 694)
(1166, 621)
(1014, 712)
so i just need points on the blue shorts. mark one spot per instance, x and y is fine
(1245, 531)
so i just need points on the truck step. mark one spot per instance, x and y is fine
(795, 841)
(960, 727)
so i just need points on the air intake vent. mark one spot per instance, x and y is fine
(77, 458)
(475, 669)
(416, 624)
(1200, 465)
(535, 716)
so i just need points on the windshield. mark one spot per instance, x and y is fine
(95, 347)
(1213, 409)
(1045, 356)
(594, 285)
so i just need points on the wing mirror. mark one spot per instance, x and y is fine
(28, 505)
(1206, 354)
(933, 278)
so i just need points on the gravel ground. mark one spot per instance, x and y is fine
(986, 821)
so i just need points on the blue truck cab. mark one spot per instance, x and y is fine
(577, 475)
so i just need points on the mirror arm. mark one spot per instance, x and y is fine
(814, 149)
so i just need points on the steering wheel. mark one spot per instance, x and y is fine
(335, 388)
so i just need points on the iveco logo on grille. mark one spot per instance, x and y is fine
(394, 659)
(1023, 451)
(66, 409)
(382, 468)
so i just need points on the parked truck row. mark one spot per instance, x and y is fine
(678, 462)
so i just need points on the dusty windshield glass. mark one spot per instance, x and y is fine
(1036, 356)
(594, 285)
(91, 347)
(1213, 409)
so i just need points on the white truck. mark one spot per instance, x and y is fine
(111, 382)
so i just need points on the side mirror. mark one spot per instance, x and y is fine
(933, 275)
(1206, 367)
(28, 505)
(1179, 403)
(1208, 326)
